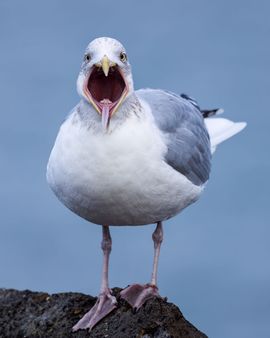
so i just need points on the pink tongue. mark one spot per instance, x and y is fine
(105, 113)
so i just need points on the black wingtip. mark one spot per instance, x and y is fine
(205, 112)
(191, 100)
(209, 112)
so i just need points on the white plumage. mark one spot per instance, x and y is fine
(125, 157)
(221, 129)
(117, 178)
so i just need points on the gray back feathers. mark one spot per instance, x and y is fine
(187, 138)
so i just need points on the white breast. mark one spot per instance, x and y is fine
(117, 178)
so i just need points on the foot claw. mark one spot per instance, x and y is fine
(103, 306)
(136, 295)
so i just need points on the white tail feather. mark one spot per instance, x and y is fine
(221, 129)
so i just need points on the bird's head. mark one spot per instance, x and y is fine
(105, 79)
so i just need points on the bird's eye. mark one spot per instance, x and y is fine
(123, 56)
(87, 57)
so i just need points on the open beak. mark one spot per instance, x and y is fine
(105, 87)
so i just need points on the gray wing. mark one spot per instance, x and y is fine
(187, 138)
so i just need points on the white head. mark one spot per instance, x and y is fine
(105, 79)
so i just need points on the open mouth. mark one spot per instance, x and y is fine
(106, 92)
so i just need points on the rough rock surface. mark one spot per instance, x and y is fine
(38, 314)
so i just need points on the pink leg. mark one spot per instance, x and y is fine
(157, 238)
(105, 302)
(136, 295)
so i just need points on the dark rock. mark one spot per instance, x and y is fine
(38, 314)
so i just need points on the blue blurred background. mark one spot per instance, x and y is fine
(215, 259)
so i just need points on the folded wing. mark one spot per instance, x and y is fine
(185, 134)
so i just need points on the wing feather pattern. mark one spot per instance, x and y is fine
(187, 137)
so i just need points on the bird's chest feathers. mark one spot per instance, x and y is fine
(111, 159)
(119, 177)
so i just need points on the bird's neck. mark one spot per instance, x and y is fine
(131, 106)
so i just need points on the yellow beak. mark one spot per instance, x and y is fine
(106, 64)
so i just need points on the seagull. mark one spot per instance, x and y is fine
(130, 157)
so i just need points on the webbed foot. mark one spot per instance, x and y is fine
(103, 306)
(136, 294)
